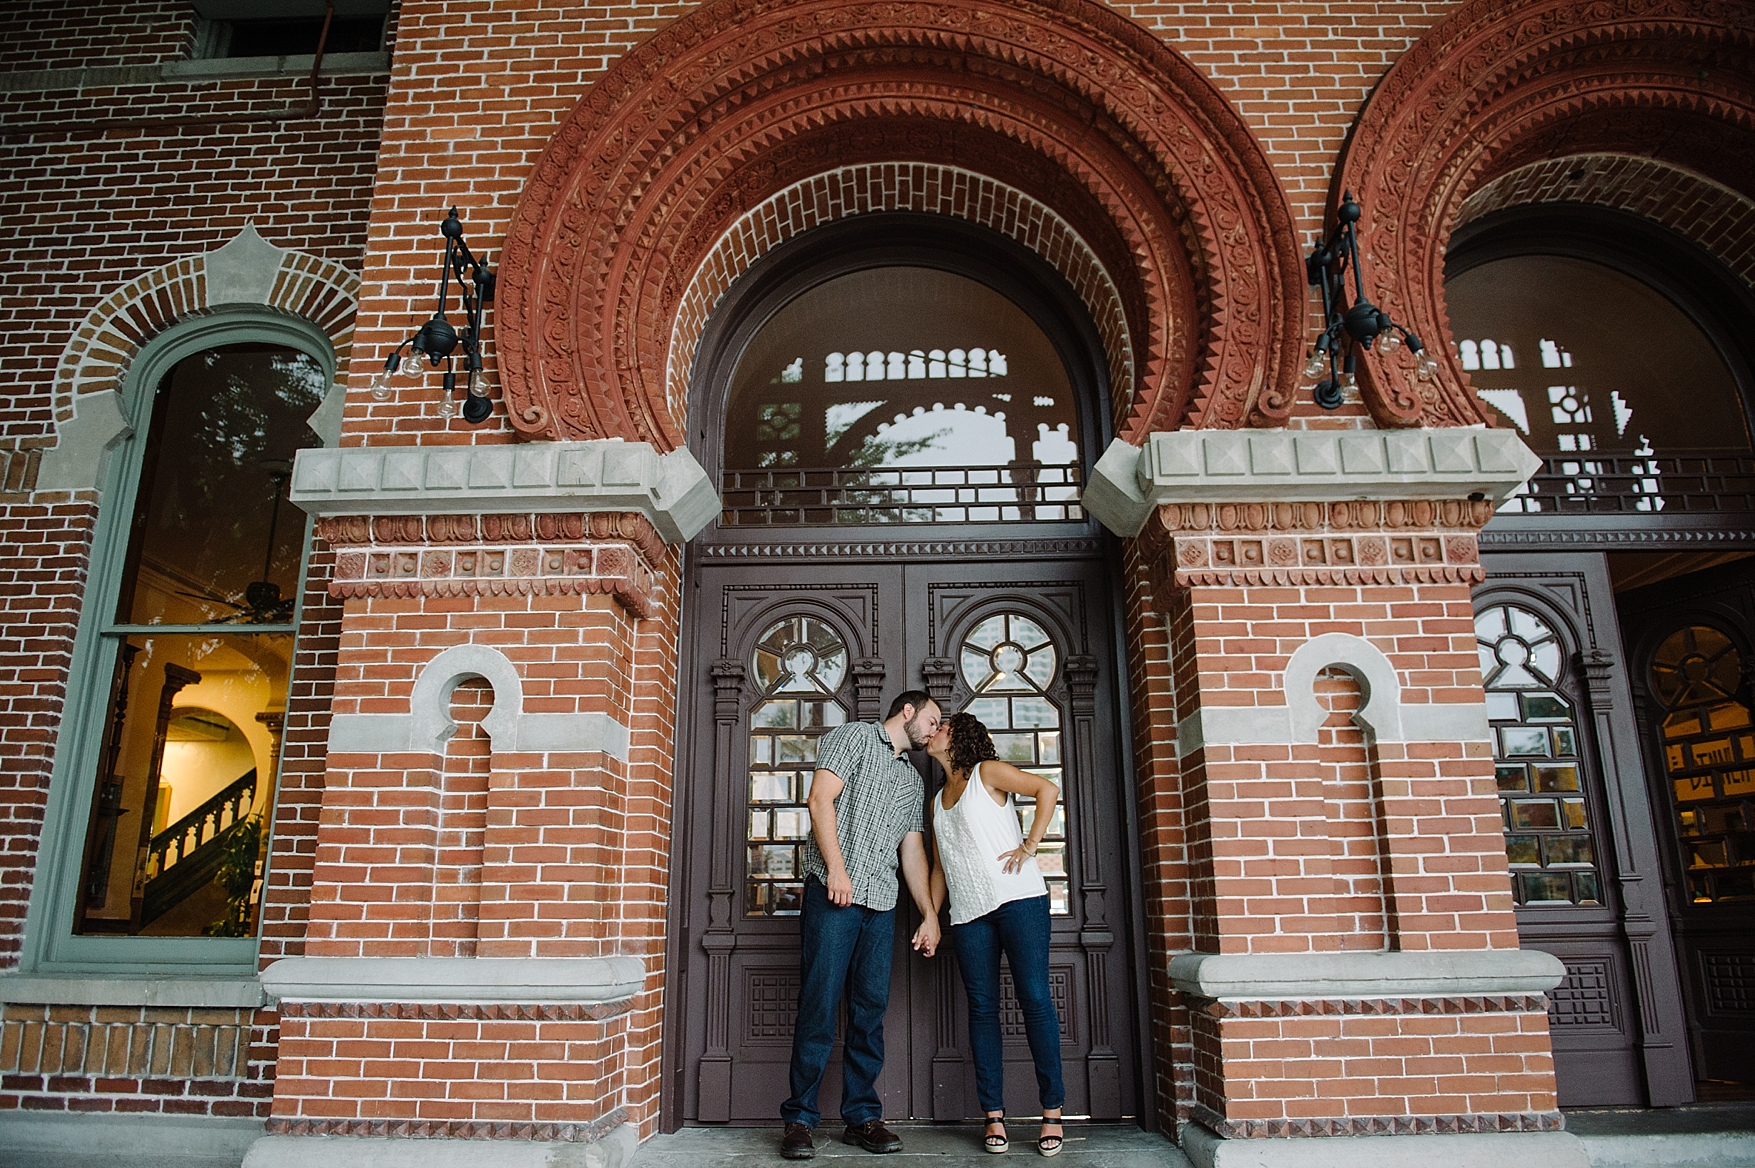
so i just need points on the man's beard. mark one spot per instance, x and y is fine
(915, 738)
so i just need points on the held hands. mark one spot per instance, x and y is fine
(1013, 861)
(927, 936)
(840, 888)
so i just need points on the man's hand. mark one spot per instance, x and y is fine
(927, 937)
(840, 888)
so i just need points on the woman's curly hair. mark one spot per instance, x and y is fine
(970, 743)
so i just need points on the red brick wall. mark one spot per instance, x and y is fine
(73, 34)
(1257, 890)
(1371, 1068)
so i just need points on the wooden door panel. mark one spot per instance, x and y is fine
(1068, 601)
(739, 971)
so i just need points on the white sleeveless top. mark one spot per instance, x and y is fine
(971, 837)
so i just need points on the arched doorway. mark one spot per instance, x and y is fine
(1619, 350)
(898, 410)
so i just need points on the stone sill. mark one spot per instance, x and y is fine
(528, 981)
(175, 992)
(1318, 976)
(224, 68)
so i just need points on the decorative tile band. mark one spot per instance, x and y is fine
(452, 1011)
(487, 555)
(1356, 541)
(568, 1133)
(542, 527)
(1314, 1007)
(974, 549)
(1397, 1125)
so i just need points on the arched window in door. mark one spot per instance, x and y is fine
(1537, 763)
(799, 664)
(1709, 756)
(1008, 661)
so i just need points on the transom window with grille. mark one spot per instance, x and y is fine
(1709, 756)
(799, 664)
(900, 395)
(1009, 661)
(1548, 838)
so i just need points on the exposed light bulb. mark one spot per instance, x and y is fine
(1313, 366)
(1427, 367)
(1349, 381)
(1390, 343)
(381, 388)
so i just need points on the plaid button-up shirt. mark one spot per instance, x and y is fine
(881, 801)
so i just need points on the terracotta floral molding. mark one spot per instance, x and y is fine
(1064, 100)
(1497, 86)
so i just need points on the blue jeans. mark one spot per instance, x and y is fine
(841, 950)
(1020, 928)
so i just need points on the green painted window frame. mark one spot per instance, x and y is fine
(50, 946)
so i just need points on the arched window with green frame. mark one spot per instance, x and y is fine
(164, 782)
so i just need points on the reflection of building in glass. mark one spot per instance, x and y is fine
(1600, 405)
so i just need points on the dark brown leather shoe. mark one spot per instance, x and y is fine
(797, 1143)
(873, 1136)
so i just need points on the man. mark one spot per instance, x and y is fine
(866, 805)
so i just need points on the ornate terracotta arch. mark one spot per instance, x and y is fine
(1061, 99)
(1496, 86)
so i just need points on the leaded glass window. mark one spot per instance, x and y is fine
(1008, 661)
(1709, 754)
(799, 666)
(1548, 839)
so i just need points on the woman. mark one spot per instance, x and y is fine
(999, 902)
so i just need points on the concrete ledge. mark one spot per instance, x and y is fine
(529, 733)
(1681, 1150)
(61, 1139)
(1538, 1149)
(614, 1150)
(670, 490)
(296, 65)
(1280, 976)
(1218, 466)
(525, 981)
(193, 992)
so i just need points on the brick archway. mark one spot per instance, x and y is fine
(1064, 101)
(1708, 214)
(1496, 87)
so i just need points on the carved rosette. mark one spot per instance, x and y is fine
(1064, 100)
(617, 553)
(1495, 86)
(1364, 541)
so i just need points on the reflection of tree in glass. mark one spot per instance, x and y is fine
(875, 451)
(229, 421)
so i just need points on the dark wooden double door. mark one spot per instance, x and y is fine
(1626, 771)
(778, 655)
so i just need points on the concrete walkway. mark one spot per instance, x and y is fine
(937, 1145)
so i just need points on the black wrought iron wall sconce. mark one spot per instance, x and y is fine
(437, 341)
(1350, 329)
